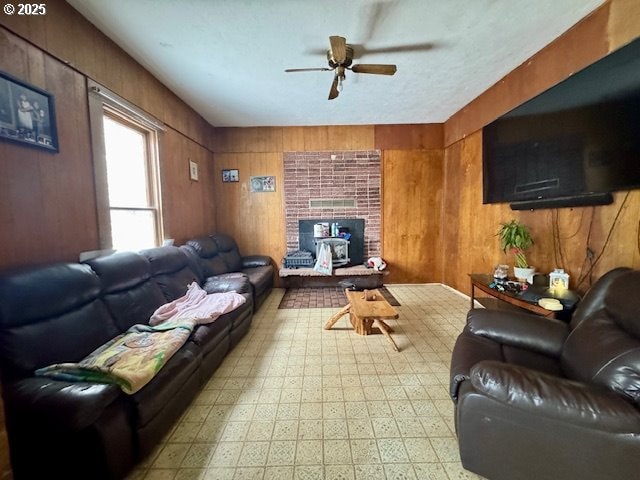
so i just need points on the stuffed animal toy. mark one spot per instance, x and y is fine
(377, 263)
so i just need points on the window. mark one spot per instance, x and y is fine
(127, 179)
(131, 183)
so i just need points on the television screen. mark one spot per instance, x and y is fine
(581, 137)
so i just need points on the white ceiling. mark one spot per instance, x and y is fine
(226, 58)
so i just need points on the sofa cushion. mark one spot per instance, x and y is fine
(622, 302)
(251, 261)
(261, 278)
(228, 251)
(127, 288)
(207, 251)
(60, 404)
(167, 384)
(615, 363)
(170, 269)
(228, 282)
(49, 315)
(208, 336)
(595, 299)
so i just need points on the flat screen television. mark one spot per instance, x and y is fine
(571, 145)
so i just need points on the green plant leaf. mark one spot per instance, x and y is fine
(515, 235)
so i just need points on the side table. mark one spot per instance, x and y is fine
(527, 299)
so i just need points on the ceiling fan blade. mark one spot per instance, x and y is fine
(409, 47)
(376, 69)
(333, 93)
(338, 48)
(323, 69)
(360, 49)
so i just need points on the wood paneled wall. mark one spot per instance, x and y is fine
(188, 206)
(67, 36)
(585, 241)
(255, 220)
(562, 236)
(412, 186)
(413, 168)
(47, 201)
(45, 197)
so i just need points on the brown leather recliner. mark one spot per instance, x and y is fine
(541, 399)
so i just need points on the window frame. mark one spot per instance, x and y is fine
(103, 103)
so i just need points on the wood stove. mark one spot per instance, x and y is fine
(339, 249)
(354, 248)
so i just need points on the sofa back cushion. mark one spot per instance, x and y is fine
(128, 289)
(170, 270)
(210, 262)
(228, 251)
(50, 314)
(594, 299)
(604, 348)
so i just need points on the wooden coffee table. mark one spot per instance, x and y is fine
(364, 314)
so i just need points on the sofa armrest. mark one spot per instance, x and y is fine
(61, 405)
(227, 282)
(252, 261)
(531, 332)
(554, 397)
(468, 350)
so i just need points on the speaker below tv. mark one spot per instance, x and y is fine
(583, 200)
(573, 144)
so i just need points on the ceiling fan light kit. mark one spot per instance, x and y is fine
(340, 58)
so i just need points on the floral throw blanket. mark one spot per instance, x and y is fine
(132, 359)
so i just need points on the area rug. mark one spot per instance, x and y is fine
(328, 297)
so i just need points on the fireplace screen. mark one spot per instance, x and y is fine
(339, 250)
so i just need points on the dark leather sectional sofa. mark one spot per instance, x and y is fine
(540, 399)
(62, 312)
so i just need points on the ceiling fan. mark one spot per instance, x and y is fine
(340, 57)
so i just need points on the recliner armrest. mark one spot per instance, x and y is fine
(227, 282)
(252, 261)
(554, 397)
(531, 332)
(61, 405)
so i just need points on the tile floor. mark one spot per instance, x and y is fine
(294, 401)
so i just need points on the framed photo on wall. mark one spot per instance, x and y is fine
(193, 171)
(27, 114)
(263, 184)
(230, 175)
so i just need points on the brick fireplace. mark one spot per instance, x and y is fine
(333, 185)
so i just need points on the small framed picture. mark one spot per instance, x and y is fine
(27, 114)
(263, 184)
(193, 170)
(230, 176)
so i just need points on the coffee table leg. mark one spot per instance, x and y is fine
(384, 329)
(336, 316)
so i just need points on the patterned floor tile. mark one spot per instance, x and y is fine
(295, 401)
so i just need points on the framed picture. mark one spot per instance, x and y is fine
(27, 114)
(263, 184)
(230, 176)
(193, 170)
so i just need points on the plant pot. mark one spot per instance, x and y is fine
(524, 274)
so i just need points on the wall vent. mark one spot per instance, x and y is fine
(332, 203)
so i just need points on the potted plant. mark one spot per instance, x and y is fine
(515, 238)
